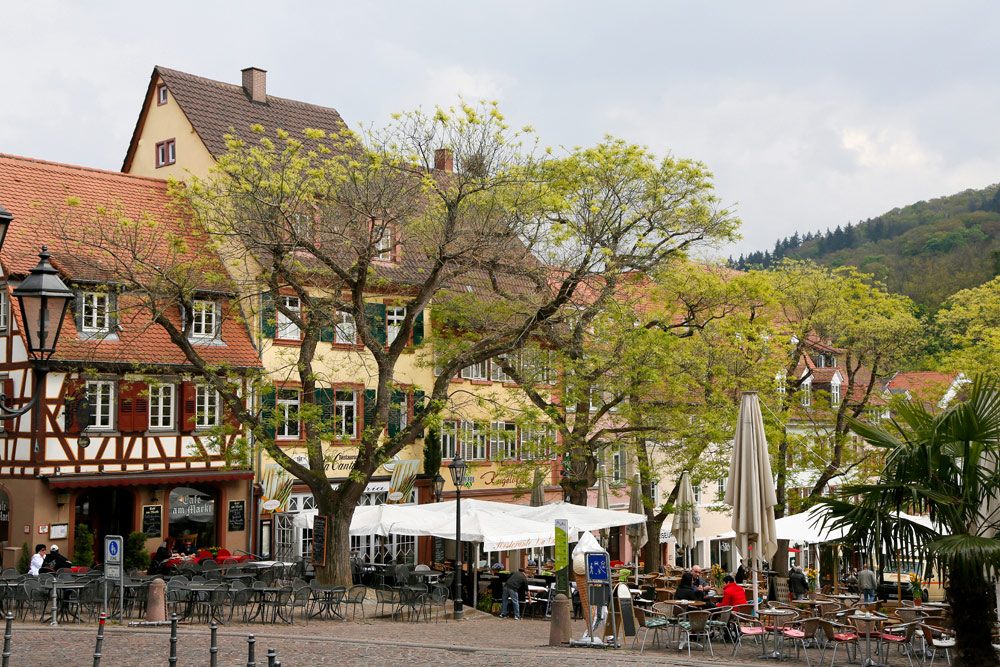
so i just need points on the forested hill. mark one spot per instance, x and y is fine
(928, 250)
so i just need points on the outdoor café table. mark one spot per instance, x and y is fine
(261, 596)
(328, 599)
(59, 601)
(777, 617)
(869, 624)
(430, 577)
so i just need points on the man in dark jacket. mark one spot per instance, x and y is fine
(55, 560)
(512, 588)
(798, 585)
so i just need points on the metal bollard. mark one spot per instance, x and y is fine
(6, 639)
(173, 639)
(100, 641)
(251, 661)
(55, 611)
(213, 650)
(271, 656)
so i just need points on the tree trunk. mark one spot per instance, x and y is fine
(576, 496)
(652, 546)
(971, 599)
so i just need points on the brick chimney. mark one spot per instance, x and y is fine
(255, 83)
(444, 159)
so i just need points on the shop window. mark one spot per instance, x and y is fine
(193, 516)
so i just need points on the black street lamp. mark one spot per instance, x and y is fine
(438, 487)
(43, 299)
(458, 477)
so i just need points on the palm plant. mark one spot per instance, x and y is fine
(944, 465)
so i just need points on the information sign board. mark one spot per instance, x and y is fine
(598, 569)
(113, 571)
(562, 543)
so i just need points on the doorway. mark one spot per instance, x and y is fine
(106, 511)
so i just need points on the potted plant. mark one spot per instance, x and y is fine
(915, 586)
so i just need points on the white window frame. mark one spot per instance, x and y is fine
(618, 465)
(449, 438)
(161, 94)
(101, 394)
(207, 403)
(4, 309)
(345, 329)
(205, 319)
(96, 316)
(477, 371)
(532, 437)
(503, 440)
(166, 153)
(497, 373)
(697, 493)
(394, 316)
(474, 440)
(834, 394)
(806, 394)
(386, 244)
(345, 410)
(286, 328)
(161, 407)
(288, 402)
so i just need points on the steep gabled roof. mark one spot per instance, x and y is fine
(212, 107)
(38, 195)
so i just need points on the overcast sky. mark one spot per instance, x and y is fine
(809, 114)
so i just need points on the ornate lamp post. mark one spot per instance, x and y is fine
(457, 477)
(43, 299)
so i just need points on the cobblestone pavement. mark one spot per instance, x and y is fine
(479, 639)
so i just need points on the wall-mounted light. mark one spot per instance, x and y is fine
(62, 499)
(156, 493)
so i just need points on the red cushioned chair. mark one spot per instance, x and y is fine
(837, 634)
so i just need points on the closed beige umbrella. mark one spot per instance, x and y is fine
(602, 503)
(751, 488)
(538, 489)
(683, 526)
(637, 535)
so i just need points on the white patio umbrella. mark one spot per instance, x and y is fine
(637, 535)
(751, 489)
(683, 526)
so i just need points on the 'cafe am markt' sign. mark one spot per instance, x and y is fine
(193, 507)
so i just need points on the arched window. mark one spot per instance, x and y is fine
(193, 516)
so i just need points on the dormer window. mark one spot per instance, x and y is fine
(161, 94)
(806, 394)
(205, 320)
(96, 312)
(834, 394)
(385, 247)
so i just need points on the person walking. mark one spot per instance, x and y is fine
(867, 583)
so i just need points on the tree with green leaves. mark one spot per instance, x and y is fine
(947, 466)
(869, 331)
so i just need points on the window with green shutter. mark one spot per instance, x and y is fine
(398, 412)
(269, 404)
(375, 312)
(418, 328)
(268, 316)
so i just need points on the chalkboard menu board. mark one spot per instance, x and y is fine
(237, 518)
(626, 615)
(319, 541)
(152, 520)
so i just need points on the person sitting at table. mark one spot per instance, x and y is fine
(732, 593)
(698, 581)
(512, 588)
(37, 560)
(55, 560)
(687, 591)
(188, 549)
(741, 575)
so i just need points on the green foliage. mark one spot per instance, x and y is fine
(24, 562)
(485, 602)
(136, 555)
(946, 466)
(83, 546)
(432, 452)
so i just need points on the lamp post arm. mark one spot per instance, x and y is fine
(41, 371)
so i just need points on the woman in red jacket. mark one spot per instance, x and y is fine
(732, 594)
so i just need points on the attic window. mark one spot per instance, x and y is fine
(161, 94)
(166, 153)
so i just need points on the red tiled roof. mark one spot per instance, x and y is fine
(36, 193)
(212, 107)
(922, 385)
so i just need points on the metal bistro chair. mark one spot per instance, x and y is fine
(747, 626)
(355, 597)
(839, 634)
(802, 631)
(937, 639)
(653, 619)
(695, 624)
(385, 597)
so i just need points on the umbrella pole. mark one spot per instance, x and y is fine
(756, 593)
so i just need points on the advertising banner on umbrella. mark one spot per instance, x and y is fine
(404, 475)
